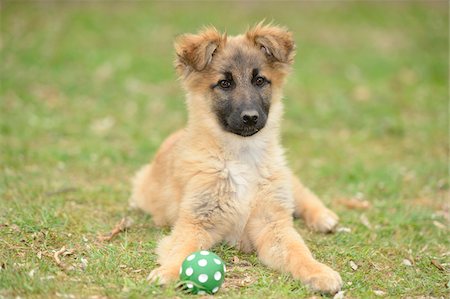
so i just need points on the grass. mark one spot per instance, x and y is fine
(88, 93)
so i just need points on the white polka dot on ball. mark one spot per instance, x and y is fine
(201, 293)
(218, 262)
(215, 290)
(203, 278)
(217, 276)
(202, 263)
(189, 271)
(204, 252)
(189, 285)
(191, 257)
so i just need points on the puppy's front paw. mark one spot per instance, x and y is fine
(324, 279)
(162, 276)
(323, 220)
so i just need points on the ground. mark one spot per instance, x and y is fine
(88, 93)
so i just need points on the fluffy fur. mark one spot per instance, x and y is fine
(221, 180)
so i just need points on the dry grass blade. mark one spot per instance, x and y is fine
(123, 225)
(354, 204)
(344, 230)
(407, 262)
(57, 254)
(63, 252)
(234, 281)
(437, 265)
(68, 252)
(61, 191)
(239, 262)
(379, 292)
(440, 225)
(365, 221)
(353, 265)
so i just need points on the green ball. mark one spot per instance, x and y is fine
(202, 272)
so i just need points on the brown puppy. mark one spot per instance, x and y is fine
(224, 177)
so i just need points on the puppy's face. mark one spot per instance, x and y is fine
(240, 89)
(236, 76)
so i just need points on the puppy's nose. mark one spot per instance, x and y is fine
(250, 117)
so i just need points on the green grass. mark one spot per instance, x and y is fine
(88, 93)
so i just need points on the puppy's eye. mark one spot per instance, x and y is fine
(225, 84)
(260, 81)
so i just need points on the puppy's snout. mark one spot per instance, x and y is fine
(250, 117)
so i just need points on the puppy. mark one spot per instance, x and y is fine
(224, 177)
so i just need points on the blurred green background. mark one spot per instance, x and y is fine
(88, 93)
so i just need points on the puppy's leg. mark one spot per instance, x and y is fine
(279, 246)
(186, 237)
(311, 209)
(203, 221)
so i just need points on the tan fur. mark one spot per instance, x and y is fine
(213, 186)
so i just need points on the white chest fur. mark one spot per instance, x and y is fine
(242, 174)
(244, 169)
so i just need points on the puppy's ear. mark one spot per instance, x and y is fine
(195, 51)
(277, 43)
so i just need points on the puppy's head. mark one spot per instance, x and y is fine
(237, 78)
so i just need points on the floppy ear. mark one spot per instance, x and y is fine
(195, 51)
(276, 42)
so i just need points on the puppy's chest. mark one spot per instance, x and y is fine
(241, 178)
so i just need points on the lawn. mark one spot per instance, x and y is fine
(88, 93)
